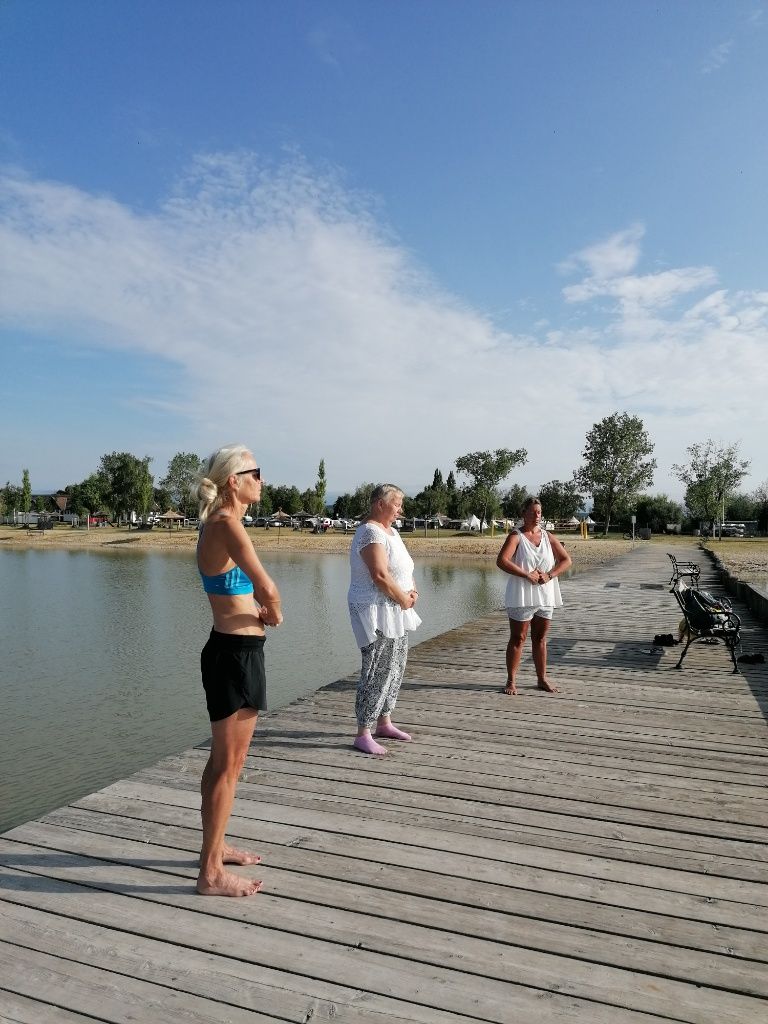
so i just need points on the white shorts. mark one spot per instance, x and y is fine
(527, 613)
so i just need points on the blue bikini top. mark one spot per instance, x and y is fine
(230, 583)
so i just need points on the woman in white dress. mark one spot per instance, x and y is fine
(381, 597)
(533, 559)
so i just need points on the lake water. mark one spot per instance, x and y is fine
(100, 657)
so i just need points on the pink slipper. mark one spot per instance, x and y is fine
(391, 732)
(368, 745)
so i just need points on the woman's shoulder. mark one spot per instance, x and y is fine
(370, 533)
(220, 523)
(369, 526)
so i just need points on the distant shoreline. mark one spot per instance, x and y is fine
(585, 554)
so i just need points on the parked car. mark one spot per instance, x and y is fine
(248, 520)
(284, 524)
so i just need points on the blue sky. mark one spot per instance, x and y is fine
(380, 233)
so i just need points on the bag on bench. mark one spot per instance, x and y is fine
(703, 611)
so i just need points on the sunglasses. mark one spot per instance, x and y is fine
(255, 472)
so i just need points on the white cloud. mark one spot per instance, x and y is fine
(297, 323)
(717, 57)
(614, 256)
(648, 291)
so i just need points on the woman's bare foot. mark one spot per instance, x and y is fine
(366, 744)
(233, 856)
(547, 687)
(388, 731)
(224, 883)
(510, 689)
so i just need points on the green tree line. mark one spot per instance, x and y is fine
(616, 470)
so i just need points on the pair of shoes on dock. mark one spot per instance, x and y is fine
(751, 659)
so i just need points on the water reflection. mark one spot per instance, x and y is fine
(101, 656)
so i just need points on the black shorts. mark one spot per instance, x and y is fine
(233, 674)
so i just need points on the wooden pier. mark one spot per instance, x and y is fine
(597, 857)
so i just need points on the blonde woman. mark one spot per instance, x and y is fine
(243, 600)
(381, 598)
(533, 560)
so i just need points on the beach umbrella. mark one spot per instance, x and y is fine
(170, 517)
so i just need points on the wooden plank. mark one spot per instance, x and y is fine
(447, 875)
(124, 949)
(595, 858)
(449, 989)
(445, 831)
(443, 780)
(484, 970)
(476, 806)
(360, 862)
(16, 1009)
(107, 996)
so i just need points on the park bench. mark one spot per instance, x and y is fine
(707, 618)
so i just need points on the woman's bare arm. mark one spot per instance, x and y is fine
(375, 558)
(507, 553)
(239, 548)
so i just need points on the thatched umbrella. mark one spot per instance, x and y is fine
(170, 517)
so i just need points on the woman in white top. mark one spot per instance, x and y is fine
(534, 560)
(381, 597)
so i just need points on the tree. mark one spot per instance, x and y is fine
(265, 506)
(11, 497)
(429, 501)
(560, 499)
(616, 463)
(656, 510)
(127, 482)
(342, 507)
(742, 507)
(183, 470)
(710, 475)
(162, 500)
(87, 496)
(26, 492)
(320, 489)
(513, 500)
(285, 497)
(309, 501)
(760, 497)
(487, 470)
(459, 503)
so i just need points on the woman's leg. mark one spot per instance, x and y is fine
(539, 630)
(384, 727)
(518, 631)
(369, 697)
(231, 738)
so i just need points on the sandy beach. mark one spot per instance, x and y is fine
(584, 553)
(745, 559)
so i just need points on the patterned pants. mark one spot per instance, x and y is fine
(382, 673)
